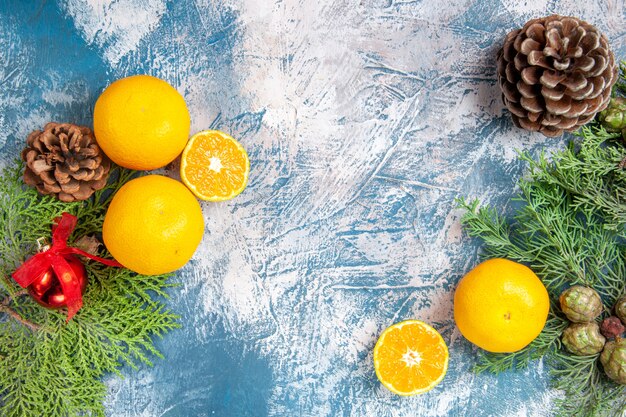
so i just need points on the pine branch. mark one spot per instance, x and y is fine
(52, 368)
(485, 223)
(570, 229)
(547, 342)
(5, 308)
(565, 243)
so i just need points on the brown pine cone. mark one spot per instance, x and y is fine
(556, 73)
(65, 160)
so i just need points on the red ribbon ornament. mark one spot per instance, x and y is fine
(55, 258)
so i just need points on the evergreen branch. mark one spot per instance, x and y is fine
(570, 228)
(5, 308)
(580, 378)
(52, 368)
(547, 342)
(485, 223)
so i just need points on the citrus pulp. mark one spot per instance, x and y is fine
(410, 358)
(214, 166)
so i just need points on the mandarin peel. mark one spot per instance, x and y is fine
(501, 306)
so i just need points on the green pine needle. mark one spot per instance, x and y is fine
(57, 369)
(570, 228)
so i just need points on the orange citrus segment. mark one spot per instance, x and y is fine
(214, 166)
(410, 358)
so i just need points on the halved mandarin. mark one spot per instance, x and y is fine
(214, 166)
(410, 358)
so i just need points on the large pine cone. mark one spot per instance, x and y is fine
(556, 73)
(65, 160)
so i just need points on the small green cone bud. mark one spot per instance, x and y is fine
(620, 308)
(583, 339)
(613, 118)
(613, 359)
(581, 304)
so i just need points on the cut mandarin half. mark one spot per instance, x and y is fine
(410, 358)
(214, 166)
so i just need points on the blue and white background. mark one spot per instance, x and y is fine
(364, 120)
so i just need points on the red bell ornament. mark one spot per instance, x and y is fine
(55, 277)
(46, 289)
(42, 284)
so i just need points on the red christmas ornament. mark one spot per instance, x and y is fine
(46, 289)
(55, 277)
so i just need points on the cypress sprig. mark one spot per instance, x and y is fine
(569, 228)
(55, 368)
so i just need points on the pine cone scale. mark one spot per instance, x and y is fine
(46, 188)
(509, 52)
(40, 166)
(47, 177)
(551, 131)
(533, 117)
(592, 41)
(518, 111)
(102, 171)
(511, 74)
(597, 104)
(84, 175)
(526, 90)
(585, 63)
(51, 142)
(30, 177)
(566, 124)
(577, 109)
(556, 93)
(71, 186)
(527, 123)
(510, 92)
(581, 93)
(65, 160)
(66, 198)
(531, 75)
(531, 104)
(551, 79)
(528, 45)
(561, 65)
(89, 164)
(556, 108)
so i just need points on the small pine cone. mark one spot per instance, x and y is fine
(613, 359)
(613, 118)
(64, 160)
(581, 304)
(556, 73)
(611, 327)
(583, 339)
(620, 308)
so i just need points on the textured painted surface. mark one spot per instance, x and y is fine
(363, 120)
